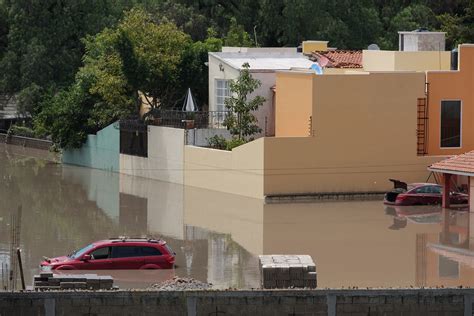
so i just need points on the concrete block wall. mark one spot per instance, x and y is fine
(26, 141)
(101, 151)
(257, 302)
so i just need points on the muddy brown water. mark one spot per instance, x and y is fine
(217, 236)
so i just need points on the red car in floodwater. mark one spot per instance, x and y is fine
(420, 194)
(116, 253)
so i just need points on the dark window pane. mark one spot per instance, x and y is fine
(101, 253)
(437, 189)
(125, 252)
(448, 268)
(424, 189)
(450, 123)
(150, 251)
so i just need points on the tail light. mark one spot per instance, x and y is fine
(401, 198)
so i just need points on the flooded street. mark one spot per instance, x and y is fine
(49, 209)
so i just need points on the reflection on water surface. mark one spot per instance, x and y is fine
(218, 236)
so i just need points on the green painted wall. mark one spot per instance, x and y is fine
(101, 151)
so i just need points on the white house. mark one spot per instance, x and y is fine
(264, 62)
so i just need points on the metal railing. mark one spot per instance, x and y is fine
(183, 119)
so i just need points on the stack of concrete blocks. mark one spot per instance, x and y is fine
(287, 271)
(50, 281)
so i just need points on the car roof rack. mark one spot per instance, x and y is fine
(132, 239)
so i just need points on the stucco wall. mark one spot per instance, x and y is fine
(239, 171)
(228, 73)
(165, 156)
(452, 85)
(365, 133)
(100, 151)
(293, 106)
(378, 60)
(265, 115)
(471, 201)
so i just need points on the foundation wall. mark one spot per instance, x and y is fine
(257, 302)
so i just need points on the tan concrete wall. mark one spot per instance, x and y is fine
(293, 106)
(471, 200)
(239, 171)
(165, 156)
(452, 85)
(311, 46)
(365, 133)
(380, 60)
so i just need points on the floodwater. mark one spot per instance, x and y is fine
(49, 209)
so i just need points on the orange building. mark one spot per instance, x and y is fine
(450, 108)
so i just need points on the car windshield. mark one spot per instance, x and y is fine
(78, 253)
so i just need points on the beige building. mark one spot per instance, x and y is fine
(264, 62)
(334, 133)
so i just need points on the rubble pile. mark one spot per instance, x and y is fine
(180, 284)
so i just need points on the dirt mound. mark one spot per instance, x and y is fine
(181, 284)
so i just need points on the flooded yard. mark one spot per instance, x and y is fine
(49, 209)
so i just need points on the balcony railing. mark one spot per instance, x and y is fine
(182, 119)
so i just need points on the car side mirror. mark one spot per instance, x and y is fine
(86, 257)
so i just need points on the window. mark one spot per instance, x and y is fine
(100, 253)
(222, 93)
(150, 251)
(125, 252)
(450, 124)
(423, 190)
(437, 189)
(79, 253)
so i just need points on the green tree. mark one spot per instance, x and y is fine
(151, 55)
(237, 36)
(241, 122)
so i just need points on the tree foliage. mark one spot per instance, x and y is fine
(98, 54)
(241, 123)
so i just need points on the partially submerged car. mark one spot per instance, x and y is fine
(420, 194)
(116, 253)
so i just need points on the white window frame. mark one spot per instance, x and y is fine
(460, 123)
(226, 94)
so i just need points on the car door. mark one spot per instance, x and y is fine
(153, 256)
(437, 191)
(100, 259)
(126, 257)
(424, 196)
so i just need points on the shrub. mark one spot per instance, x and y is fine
(21, 131)
(217, 142)
(234, 142)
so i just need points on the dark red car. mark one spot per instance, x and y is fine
(420, 194)
(119, 253)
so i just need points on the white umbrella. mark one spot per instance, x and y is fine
(189, 104)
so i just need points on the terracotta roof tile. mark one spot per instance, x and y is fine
(457, 164)
(338, 58)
